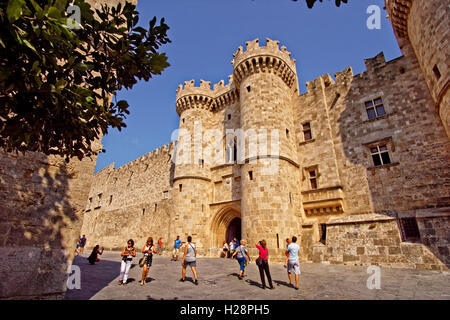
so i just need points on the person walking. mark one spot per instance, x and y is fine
(189, 260)
(293, 264)
(93, 258)
(77, 249)
(148, 251)
(263, 263)
(127, 254)
(160, 243)
(82, 244)
(225, 251)
(176, 249)
(232, 249)
(241, 254)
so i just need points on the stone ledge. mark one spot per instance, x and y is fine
(306, 142)
(394, 164)
(361, 218)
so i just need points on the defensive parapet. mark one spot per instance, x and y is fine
(264, 59)
(190, 96)
(144, 159)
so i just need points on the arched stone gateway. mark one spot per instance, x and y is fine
(225, 224)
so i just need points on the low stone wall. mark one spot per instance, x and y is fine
(376, 240)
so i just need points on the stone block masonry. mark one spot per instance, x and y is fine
(360, 171)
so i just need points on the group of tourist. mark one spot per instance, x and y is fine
(237, 249)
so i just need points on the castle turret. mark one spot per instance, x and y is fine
(424, 26)
(267, 82)
(191, 180)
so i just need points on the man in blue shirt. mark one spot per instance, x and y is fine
(293, 264)
(176, 249)
(82, 244)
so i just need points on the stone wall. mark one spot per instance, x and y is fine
(352, 216)
(42, 208)
(132, 201)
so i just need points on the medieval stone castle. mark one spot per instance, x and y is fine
(360, 172)
(357, 167)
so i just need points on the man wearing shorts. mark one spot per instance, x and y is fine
(176, 248)
(82, 244)
(293, 265)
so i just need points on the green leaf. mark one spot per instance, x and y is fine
(14, 9)
(54, 13)
(29, 45)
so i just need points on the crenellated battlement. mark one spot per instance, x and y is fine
(267, 58)
(147, 158)
(203, 97)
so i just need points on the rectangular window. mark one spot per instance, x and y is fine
(143, 211)
(250, 175)
(313, 179)
(307, 131)
(229, 117)
(323, 233)
(380, 155)
(110, 199)
(409, 228)
(166, 195)
(156, 206)
(375, 108)
(181, 187)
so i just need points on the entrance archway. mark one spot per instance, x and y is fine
(234, 230)
(225, 224)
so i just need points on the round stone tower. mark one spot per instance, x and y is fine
(191, 173)
(267, 82)
(425, 26)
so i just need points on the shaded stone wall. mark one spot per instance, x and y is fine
(42, 208)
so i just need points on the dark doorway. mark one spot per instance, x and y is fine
(234, 230)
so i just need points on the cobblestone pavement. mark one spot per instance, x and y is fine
(218, 281)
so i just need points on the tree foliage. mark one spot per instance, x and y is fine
(56, 83)
(310, 3)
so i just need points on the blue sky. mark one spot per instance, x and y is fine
(206, 33)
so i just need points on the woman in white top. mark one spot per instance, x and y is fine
(225, 250)
(189, 259)
(148, 251)
(127, 257)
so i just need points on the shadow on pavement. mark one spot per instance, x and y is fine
(254, 283)
(282, 283)
(93, 277)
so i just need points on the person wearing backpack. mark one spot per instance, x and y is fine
(263, 263)
(189, 259)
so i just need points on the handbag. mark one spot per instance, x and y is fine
(142, 261)
(259, 261)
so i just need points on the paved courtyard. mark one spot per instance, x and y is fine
(218, 281)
